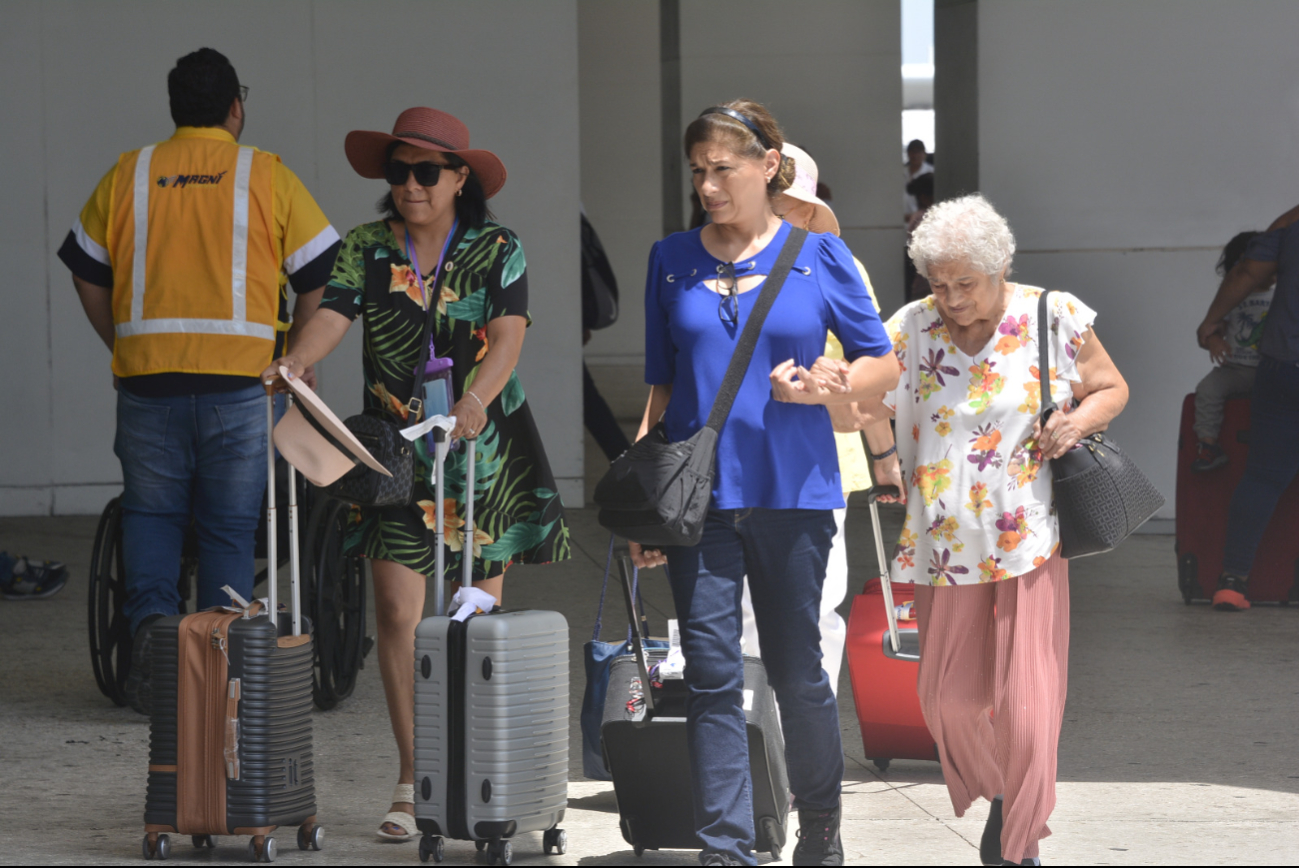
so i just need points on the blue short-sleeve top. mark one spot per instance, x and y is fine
(770, 454)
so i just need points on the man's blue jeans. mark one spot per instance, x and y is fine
(199, 457)
(784, 553)
(1272, 464)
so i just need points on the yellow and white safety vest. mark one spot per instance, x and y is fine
(197, 230)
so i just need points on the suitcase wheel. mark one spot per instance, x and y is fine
(881, 764)
(500, 852)
(638, 849)
(431, 845)
(262, 849)
(774, 837)
(311, 837)
(480, 846)
(201, 841)
(155, 846)
(554, 841)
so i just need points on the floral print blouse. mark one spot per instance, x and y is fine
(979, 505)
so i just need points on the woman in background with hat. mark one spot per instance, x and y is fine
(437, 253)
(799, 206)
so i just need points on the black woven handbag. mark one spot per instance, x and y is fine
(657, 493)
(366, 487)
(1101, 496)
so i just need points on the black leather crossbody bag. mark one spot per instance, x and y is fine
(657, 493)
(1101, 496)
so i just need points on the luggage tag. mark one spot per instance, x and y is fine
(241, 605)
(420, 429)
(674, 667)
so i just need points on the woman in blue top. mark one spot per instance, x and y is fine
(777, 472)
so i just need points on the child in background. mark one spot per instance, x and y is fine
(1234, 350)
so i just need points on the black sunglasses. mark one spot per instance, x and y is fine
(728, 306)
(426, 174)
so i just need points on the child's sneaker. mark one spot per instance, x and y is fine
(1230, 596)
(28, 580)
(1208, 456)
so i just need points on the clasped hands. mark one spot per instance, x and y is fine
(794, 384)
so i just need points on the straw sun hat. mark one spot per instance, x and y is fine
(432, 130)
(315, 441)
(804, 190)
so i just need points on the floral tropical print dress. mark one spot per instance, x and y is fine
(518, 516)
(979, 505)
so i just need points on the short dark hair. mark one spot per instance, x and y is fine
(922, 185)
(471, 204)
(1234, 250)
(916, 144)
(202, 86)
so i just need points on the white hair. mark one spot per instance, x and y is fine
(968, 229)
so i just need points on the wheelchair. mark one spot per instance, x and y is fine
(333, 587)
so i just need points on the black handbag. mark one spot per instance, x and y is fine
(1101, 496)
(657, 493)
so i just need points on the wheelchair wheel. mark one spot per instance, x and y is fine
(110, 631)
(335, 588)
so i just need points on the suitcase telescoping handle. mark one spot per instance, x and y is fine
(638, 627)
(442, 447)
(886, 584)
(272, 553)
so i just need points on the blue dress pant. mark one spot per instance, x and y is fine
(784, 554)
(189, 457)
(1272, 464)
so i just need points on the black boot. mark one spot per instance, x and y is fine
(138, 693)
(818, 838)
(990, 843)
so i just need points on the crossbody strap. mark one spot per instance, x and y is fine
(1043, 358)
(739, 365)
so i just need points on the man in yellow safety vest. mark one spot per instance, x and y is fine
(178, 259)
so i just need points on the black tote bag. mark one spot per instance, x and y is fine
(1101, 496)
(657, 492)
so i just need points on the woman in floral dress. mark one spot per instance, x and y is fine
(981, 536)
(473, 281)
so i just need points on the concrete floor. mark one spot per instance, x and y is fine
(1180, 744)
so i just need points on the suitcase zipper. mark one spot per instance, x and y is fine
(457, 821)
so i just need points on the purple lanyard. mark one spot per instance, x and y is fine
(419, 274)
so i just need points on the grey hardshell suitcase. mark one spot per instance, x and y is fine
(647, 752)
(491, 717)
(230, 743)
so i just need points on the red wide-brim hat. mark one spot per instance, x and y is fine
(424, 128)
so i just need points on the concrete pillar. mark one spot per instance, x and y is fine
(956, 98)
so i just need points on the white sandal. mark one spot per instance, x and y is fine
(400, 819)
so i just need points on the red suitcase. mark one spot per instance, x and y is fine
(1202, 503)
(883, 662)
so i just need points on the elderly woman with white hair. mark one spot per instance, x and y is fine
(981, 536)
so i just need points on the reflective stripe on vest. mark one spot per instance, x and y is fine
(238, 323)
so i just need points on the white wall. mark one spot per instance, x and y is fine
(1127, 141)
(87, 81)
(830, 72)
(621, 159)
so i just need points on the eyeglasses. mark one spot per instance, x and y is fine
(243, 93)
(728, 306)
(426, 174)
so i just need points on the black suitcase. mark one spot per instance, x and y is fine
(644, 742)
(230, 748)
